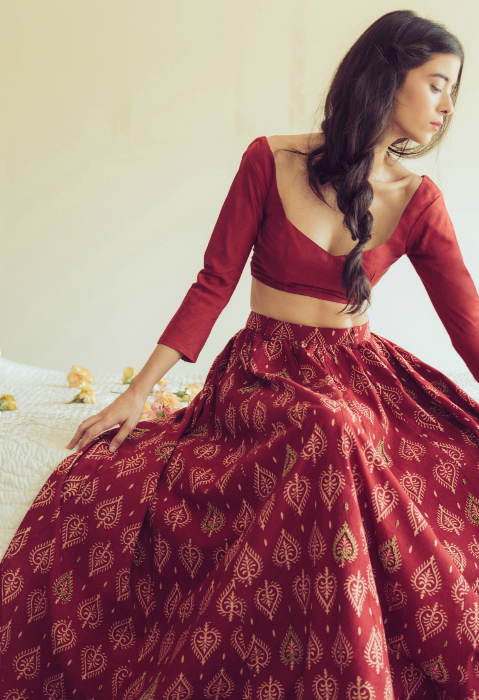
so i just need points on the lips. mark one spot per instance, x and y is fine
(437, 123)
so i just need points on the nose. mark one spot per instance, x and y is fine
(448, 107)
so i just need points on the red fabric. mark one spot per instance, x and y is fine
(307, 529)
(284, 258)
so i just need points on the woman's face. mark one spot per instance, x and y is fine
(425, 98)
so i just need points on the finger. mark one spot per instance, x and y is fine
(81, 429)
(93, 431)
(125, 430)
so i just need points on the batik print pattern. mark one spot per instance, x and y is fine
(307, 528)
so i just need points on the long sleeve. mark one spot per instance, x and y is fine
(434, 252)
(226, 255)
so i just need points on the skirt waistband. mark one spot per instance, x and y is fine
(298, 335)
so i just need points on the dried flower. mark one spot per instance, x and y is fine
(85, 395)
(79, 375)
(7, 402)
(128, 374)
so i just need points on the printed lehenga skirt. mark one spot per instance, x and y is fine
(307, 528)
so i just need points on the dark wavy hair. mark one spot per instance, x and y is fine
(358, 109)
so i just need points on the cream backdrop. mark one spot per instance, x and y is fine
(123, 124)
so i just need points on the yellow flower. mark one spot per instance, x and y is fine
(195, 389)
(170, 400)
(78, 375)
(146, 410)
(85, 395)
(128, 374)
(189, 392)
(7, 402)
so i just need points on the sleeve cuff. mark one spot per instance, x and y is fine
(188, 355)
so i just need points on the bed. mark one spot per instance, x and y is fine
(33, 438)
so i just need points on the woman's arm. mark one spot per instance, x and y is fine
(225, 257)
(126, 410)
(434, 252)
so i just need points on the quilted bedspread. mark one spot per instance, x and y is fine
(33, 438)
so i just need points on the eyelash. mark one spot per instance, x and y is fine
(435, 88)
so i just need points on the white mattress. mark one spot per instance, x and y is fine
(33, 438)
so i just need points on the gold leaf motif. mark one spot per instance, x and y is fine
(258, 655)
(302, 590)
(180, 688)
(291, 651)
(63, 636)
(37, 607)
(145, 593)
(414, 485)
(430, 620)
(287, 550)
(290, 461)
(356, 588)
(325, 587)
(248, 566)
(296, 492)
(63, 587)
(171, 602)
(411, 450)
(325, 687)
(27, 663)
(268, 597)
(395, 596)
(90, 612)
(100, 558)
(17, 543)
(390, 555)
(271, 690)
(411, 677)
(342, 650)
(316, 544)
(316, 444)
(204, 641)
(359, 690)
(220, 686)
(385, 499)
(314, 651)
(345, 547)
(436, 669)
(427, 579)
(264, 481)
(331, 483)
(230, 604)
(213, 521)
(449, 521)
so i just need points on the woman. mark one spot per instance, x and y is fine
(308, 526)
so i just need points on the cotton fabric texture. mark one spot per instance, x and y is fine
(306, 528)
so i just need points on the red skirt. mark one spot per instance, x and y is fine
(307, 528)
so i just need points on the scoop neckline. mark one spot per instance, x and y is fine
(344, 255)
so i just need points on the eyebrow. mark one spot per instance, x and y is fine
(440, 75)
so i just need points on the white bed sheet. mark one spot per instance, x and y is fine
(33, 438)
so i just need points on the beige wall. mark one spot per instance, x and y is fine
(122, 127)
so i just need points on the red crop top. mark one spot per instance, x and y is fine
(284, 258)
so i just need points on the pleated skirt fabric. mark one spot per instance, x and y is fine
(307, 528)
